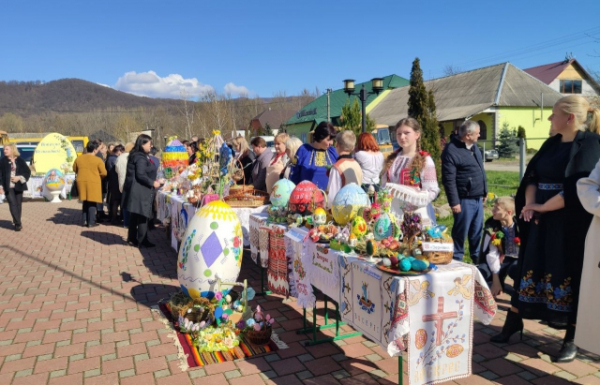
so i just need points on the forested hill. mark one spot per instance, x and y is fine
(68, 96)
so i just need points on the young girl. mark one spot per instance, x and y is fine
(410, 174)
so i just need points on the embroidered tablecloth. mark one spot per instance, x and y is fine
(256, 222)
(299, 281)
(431, 315)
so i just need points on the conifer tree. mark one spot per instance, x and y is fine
(421, 106)
(352, 118)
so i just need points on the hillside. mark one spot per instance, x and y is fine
(68, 96)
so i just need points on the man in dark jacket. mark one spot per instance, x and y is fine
(464, 180)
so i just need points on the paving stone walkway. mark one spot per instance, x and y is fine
(75, 309)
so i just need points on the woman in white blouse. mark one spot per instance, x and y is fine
(369, 157)
(410, 174)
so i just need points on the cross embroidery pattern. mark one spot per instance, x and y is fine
(439, 318)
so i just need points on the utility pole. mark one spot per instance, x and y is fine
(329, 91)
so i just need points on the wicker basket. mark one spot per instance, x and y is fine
(254, 198)
(258, 338)
(196, 315)
(240, 189)
(439, 257)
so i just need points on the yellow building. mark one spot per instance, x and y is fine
(493, 96)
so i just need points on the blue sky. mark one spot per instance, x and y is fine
(266, 47)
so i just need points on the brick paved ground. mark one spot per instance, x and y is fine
(74, 309)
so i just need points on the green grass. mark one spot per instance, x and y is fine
(501, 183)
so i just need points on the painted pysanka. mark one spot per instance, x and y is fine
(305, 198)
(212, 245)
(54, 180)
(282, 190)
(348, 201)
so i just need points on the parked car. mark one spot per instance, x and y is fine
(489, 155)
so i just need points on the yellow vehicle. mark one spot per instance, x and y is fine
(79, 142)
(382, 136)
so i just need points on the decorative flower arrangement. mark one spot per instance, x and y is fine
(258, 329)
(220, 338)
(496, 239)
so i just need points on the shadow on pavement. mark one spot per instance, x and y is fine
(6, 225)
(103, 238)
(149, 294)
(66, 216)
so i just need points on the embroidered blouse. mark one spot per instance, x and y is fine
(312, 165)
(424, 184)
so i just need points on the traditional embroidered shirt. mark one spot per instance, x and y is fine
(401, 172)
(312, 165)
(508, 246)
(346, 170)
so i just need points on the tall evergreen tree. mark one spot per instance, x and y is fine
(421, 106)
(352, 118)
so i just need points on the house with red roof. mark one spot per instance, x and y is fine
(566, 77)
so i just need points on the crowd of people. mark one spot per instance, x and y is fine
(537, 237)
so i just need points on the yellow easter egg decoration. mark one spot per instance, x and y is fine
(319, 216)
(359, 227)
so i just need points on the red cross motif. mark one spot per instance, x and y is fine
(439, 318)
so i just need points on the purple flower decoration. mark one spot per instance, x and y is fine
(218, 296)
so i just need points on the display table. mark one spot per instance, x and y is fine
(173, 208)
(429, 315)
(36, 188)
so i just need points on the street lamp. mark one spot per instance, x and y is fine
(376, 85)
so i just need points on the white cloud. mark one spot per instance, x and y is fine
(231, 88)
(152, 85)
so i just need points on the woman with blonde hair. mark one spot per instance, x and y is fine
(278, 162)
(14, 174)
(291, 148)
(246, 158)
(554, 223)
(410, 173)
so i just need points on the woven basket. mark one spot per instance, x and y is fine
(240, 189)
(258, 338)
(254, 198)
(439, 257)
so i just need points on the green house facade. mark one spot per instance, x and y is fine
(315, 112)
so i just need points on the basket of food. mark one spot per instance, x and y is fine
(438, 251)
(198, 310)
(437, 246)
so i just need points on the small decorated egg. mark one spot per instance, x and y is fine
(418, 265)
(386, 262)
(405, 264)
(420, 338)
(394, 260)
(239, 308)
(319, 216)
(359, 227)
(371, 247)
(454, 350)
(250, 322)
(228, 298)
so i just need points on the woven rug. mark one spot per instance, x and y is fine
(194, 358)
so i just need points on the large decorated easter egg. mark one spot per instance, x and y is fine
(211, 247)
(358, 227)
(384, 226)
(348, 201)
(305, 198)
(54, 180)
(282, 190)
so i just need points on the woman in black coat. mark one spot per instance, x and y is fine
(138, 191)
(14, 174)
(554, 224)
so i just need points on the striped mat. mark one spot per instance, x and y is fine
(195, 358)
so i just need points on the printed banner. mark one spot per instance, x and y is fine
(296, 249)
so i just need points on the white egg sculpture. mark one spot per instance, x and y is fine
(211, 246)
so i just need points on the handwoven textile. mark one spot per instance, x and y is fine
(277, 274)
